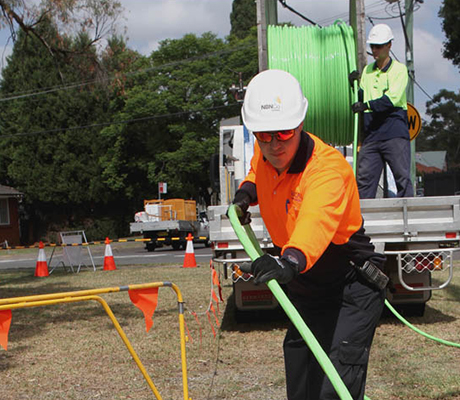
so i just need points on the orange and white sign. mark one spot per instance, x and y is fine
(414, 121)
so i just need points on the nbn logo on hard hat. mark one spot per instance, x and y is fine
(270, 107)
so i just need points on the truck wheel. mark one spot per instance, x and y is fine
(150, 246)
(175, 245)
(242, 317)
(413, 310)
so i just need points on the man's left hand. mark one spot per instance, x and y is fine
(268, 267)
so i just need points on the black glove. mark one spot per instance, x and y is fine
(242, 200)
(268, 267)
(352, 77)
(359, 106)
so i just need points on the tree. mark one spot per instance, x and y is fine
(443, 131)
(175, 108)
(450, 13)
(45, 151)
(94, 19)
(69, 17)
(81, 144)
(243, 17)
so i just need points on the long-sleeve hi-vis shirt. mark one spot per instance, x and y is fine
(384, 91)
(313, 207)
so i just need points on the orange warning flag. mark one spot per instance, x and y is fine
(216, 282)
(210, 323)
(5, 323)
(215, 316)
(145, 300)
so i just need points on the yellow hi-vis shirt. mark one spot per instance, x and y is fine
(313, 204)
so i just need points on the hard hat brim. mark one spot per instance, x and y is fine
(377, 42)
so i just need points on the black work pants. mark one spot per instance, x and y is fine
(344, 328)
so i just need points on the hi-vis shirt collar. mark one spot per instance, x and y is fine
(386, 68)
(303, 154)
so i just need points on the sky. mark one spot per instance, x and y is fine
(147, 22)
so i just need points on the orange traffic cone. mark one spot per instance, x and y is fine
(109, 262)
(189, 260)
(41, 268)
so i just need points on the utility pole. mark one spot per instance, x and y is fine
(262, 35)
(271, 12)
(357, 22)
(267, 14)
(409, 24)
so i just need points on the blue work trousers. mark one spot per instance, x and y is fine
(371, 160)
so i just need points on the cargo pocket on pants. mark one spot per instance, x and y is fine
(353, 359)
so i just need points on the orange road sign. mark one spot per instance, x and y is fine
(414, 120)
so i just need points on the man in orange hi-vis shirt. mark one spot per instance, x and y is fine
(309, 201)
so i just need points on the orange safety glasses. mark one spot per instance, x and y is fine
(282, 136)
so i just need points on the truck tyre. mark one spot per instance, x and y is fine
(176, 245)
(150, 246)
(413, 310)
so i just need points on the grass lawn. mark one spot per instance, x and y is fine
(72, 351)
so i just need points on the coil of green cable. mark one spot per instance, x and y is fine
(320, 59)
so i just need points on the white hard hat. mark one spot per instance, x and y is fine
(380, 34)
(273, 101)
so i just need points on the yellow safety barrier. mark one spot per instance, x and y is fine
(92, 294)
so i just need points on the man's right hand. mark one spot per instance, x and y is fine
(359, 106)
(242, 200)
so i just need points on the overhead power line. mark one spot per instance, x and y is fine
(102, 124)
(41, 91)
(285, 5)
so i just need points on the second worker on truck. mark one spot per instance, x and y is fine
(384, 106)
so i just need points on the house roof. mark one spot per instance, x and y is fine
(7, 191)
(432, 159)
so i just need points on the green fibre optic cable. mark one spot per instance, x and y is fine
(407, 323)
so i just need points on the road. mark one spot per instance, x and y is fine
(123, 253)
(132, 253)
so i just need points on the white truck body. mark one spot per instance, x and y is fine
(419, 236)
(171, 232)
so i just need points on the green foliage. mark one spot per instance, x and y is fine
(44, 151)
(450, 14)
(443, 131)
(108, 126)
(243, 17)
(175, 107)
(56, 165)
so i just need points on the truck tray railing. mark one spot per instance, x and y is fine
(229, 262)
(434, 261)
